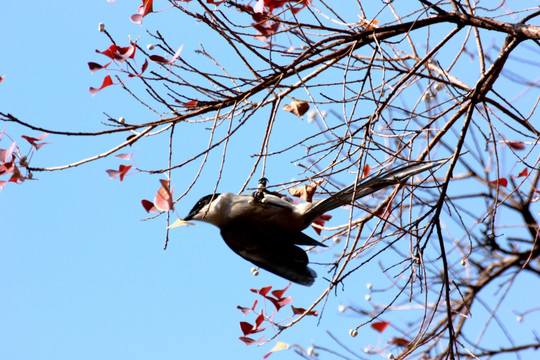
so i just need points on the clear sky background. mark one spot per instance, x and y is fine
(81, 277)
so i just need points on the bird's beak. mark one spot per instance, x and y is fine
(189, 216)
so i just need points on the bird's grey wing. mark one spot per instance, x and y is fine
(273, 252)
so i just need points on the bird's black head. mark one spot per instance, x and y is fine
(205, 200)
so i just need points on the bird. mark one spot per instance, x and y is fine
(265, 228)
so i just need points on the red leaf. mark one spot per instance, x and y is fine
(500, 182)
(119, 53)
(249, 341)
(6, 154)
(523, 173)
(279, 303)
(148, 206)
(124, 156)
(262, 291)
(246, 310)
(121, 172)
(144, 66)
(385, 212)
(319, 222)
(259, 320)
(190, 104)
(300, 311)
(163, 200)
(246, 327)
(516, 145)
(2, 79)
(399, 341)
(8, 167)
(366, 171)
(159, 59)
(34, 141)
(95, 66)
(380, 326)
(106, 82)
(144, 9)
(279, 293)
(162, 60)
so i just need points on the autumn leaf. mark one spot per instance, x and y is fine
(368, 25)
(380, 326)
(305, 192)
(144, 9)
(399, 341)
(163, 200)
(190, 104)
(262, 291)
(278, 347)
(297, 107)
(523, 173)
(500, 182)
(384, 213)
(96, 67)
(121, 172)
(6, 154)
(126, 156)
(148, 206)
(119, 53)
(106, 82)
(319, 222)
(246, 310)
(279, 293)
(300, 311)
(516, 145)
(365, 171)
(163, 61)
(250, 341)
(33, 141)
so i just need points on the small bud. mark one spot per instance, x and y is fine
(369, 286)
(101, 27)
(309, 351)
(255, 271)
(341, 308)
(336, 239)
(439, 86)
(311, 116)
(463, 262)
(353, 332)
(427, 97)
(367, 297)
(519, 318)
(121, 120)
(391, 356)
(150, 46)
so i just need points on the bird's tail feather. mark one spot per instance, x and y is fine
(368, 186)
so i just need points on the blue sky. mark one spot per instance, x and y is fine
(81, 276)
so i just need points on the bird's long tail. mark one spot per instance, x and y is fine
(368, 186)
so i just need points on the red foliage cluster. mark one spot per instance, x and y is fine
(11, 161)
(278, 299)
(163, 201)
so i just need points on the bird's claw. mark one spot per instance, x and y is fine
(258, 195)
